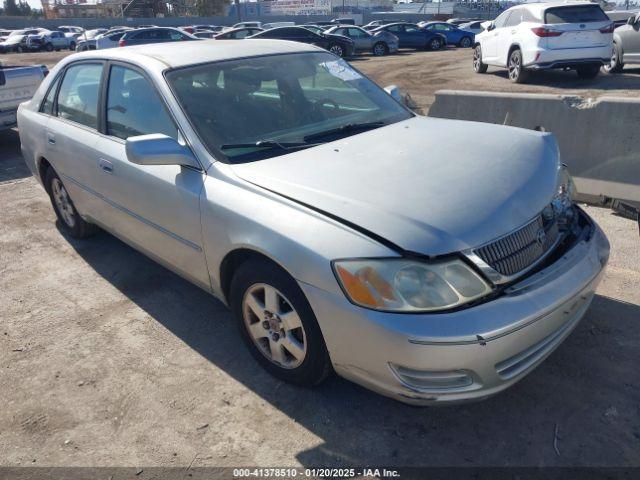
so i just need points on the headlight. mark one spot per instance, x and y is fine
(409, 286)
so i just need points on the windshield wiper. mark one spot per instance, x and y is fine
(349, 127)
(268, 144)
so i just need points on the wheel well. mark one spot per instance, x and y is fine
(43, 166)
(232, 262)
(512, 48)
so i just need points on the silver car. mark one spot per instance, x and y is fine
(379, 43)
(344, 232)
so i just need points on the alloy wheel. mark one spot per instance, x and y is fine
(336, 49)
(477, 59)
(435, 44)
(465, 42)
(379, 50)
(63, 202)
(274, 326)
(514, 66)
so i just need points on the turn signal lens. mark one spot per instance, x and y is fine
(546, 32)
(402, 285)
(608, 29)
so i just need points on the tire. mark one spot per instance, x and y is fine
(48, 47)
(380, 49)
(615, 65)
(72, 46)
(465, 42)
(336, 49)
(478, 65)
(434, 44)
(71, 221)
(20, 49)
(588, 72)
(248, 294)
(517, 72)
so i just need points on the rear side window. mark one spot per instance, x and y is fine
(47, 105)
(575, 14)
(514, 19)
(134, 108)
(78, 96)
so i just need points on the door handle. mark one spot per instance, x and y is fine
(105, 165)
(51, 138)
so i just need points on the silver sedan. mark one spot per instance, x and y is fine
(344, 232)
(379, 43)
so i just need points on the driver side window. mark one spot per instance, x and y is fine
(502, 19)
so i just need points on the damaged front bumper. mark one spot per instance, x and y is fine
(468, 354)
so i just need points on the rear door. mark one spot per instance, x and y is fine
(630, 36)
(578, 26)
(415, 36)
(72, 131)
(490, 43)
(361, 39)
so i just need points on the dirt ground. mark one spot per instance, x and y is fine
(108, 359)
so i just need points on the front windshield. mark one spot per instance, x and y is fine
(261, 107)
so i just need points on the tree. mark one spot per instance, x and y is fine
(24, 9)
(210, 8)
(11, 8)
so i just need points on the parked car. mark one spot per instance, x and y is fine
(87, 40)
(4, 34)
(453, 34)
(20, 44)
(142, 36)
(316, 28)
(247, 24)
(626, 45)
(17, 85)
(379, 23)
(212, 28)
(380, 43)
(337, 44)
(57, 40)
(204, 34)
(267, 26)
(343, 21)
(238, 33)
(537, 36)
(460, 21)
(411, 35)
(109, 40)
(473, 27)
(336, 249)
(70, 31)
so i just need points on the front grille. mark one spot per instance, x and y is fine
(521, 249)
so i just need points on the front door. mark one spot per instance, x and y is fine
(154, 207)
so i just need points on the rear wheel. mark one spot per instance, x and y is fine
(588, 72)
(65, 210)
(20, 49)
(517, 73)
(465, 42)
(615, 65)
(277, 324)
(336, 49)
(478, 65)
(380, 49)
(435, 44)
(72, 46)
(48, 47)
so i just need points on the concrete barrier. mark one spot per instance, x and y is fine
(599, 138)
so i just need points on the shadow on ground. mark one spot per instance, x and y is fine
(571, 392)
(12, 166)
(628, 79)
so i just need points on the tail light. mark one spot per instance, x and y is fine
(121, 43)
(546, 32)
(608, 29)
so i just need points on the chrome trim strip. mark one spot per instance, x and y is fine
(169, 233)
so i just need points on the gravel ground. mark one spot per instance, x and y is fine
(109, 359)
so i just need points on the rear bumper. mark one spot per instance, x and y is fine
(468, 354)
(541, 59)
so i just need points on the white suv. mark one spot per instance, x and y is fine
(546, 35)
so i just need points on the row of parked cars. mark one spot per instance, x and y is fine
(340, 36)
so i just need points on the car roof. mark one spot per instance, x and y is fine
(541, 7)
(180, 54)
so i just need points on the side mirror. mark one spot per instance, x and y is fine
(488, 26)
(158, 149)
(395, 92)
(631, 20)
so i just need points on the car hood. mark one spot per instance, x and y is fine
(427, 185)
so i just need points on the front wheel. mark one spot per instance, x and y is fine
(336, 49)
(20, 49)
(48, 47)
(478, 65)
(465, 42)
(277, 324)
(380, 49)
(435, 44)
(615, 65)
(587, 72)
(66, 212)
(72, 46)
(517, 72)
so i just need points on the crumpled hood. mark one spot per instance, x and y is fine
(427, 185)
